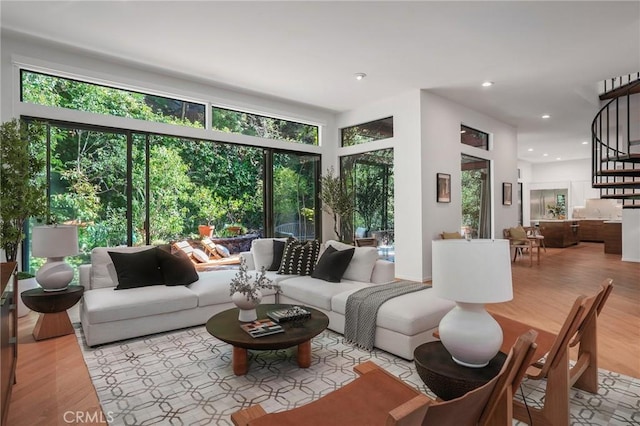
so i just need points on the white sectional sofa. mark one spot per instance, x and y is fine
(107, 315)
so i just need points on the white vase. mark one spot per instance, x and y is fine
(24, 285)
(246, 306)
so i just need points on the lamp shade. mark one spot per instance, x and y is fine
(54, 241)
(474, 271)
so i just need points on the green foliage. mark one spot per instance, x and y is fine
(471, 198)
(244, 123)
(337, 200)
(190, 182)
(23, 189)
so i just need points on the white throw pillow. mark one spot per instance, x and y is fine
(103, 273)
(361, 266)
(262, 251)
(200, 256)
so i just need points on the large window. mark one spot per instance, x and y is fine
(473, 137)
(127, 188)
(231, 121)
(476, 196)
(367, 132)
(369, 176)
(294, 190)
(43, 89)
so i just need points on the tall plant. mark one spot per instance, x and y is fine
(337, 200)
(22, 193)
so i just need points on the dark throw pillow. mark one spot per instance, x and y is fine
(332, 264)
(299, 257)
(278, 251)
(138, 269)
(176, 269)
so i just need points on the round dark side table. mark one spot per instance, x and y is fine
(52, 305)
(446, 378)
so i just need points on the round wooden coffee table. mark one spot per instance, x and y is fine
(226, 327)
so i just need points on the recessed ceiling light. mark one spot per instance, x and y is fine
(584, 142)
(359, 75)
(463, 131)
(545, 155)
(530, 150)
(487, 84)
(546, 116)
(558, 158)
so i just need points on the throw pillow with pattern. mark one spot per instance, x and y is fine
(299, 257)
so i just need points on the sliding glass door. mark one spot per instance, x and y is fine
(476, 196)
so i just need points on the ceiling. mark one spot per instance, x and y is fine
(544, 57)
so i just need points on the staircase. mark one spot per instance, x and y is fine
(615, 141)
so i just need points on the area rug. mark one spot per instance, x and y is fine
(185, 378)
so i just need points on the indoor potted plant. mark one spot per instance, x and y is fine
(245, 291)
(337, 200)
(23, 188)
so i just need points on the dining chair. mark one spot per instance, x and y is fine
(377, 397)
(519, 241)
(551, 360)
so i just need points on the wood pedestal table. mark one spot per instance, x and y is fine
(446, 378)
(52, 305)
(226, 327)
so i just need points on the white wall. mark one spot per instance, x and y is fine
(405, 109)
(441, 119)
(631, 235)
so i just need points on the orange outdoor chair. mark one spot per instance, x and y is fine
(378, 398)
(579, 328)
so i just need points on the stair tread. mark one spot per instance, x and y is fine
(629, 184)
(630, 158)
(621, 196)
(619, 172)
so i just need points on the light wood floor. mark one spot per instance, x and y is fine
(54, 386)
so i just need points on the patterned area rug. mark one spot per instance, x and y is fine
(185, 378)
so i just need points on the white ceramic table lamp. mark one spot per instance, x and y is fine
(54, 242)
(471, 273)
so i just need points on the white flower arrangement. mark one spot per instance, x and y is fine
(241, 283)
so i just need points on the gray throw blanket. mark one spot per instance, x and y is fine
(362, 310)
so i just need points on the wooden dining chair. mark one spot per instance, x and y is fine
(378, 398)
(521, 243)
(579, 328)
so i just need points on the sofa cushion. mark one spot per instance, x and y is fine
(137, 269)
(105, 305)
(103, 272)
(332, 264)
(408, 314)
(200, 256)
(299, 257)
(262, 251)
(361, 266)
(177, 268)
(315, 292)
(278, 251)
(213, 286)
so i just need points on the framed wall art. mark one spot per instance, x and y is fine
(443, 188)
(507, 193)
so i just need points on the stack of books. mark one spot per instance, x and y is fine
(263, 327)
(293, 313)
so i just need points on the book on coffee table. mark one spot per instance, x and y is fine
(263, 327)
(293, 313)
